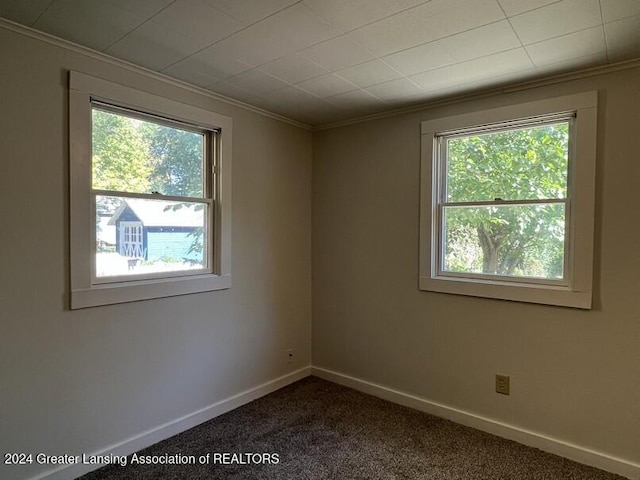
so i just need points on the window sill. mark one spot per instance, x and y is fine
(108, 294)
(518, 292)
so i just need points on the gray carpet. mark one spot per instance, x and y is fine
(320, 430)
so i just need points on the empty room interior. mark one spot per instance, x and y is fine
(206, 203)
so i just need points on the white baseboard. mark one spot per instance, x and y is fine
(169, 429)
(548, 444)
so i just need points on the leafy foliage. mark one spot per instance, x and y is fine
(176, 157)
(520, 240)
(121, 159)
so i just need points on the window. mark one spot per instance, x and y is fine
(150, 195)
(507, 202)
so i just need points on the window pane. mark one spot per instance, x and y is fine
(510, 240)
(139, 156)
(140, 236)
(523, 164)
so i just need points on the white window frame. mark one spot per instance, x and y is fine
(86, 291)
(576, 288)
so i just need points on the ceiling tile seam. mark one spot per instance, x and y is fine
(449, 65)
(566, 35)
(231, 34)
(144, 22)
(604, 33)
(533, 9)
(488, 92)
(46, 9)
(446, 37)
(70, 46)
(515, 32)
(373, 21)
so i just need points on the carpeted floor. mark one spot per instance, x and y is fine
(320, 430)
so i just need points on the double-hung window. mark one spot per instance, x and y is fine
(150, 182)
(507, 202)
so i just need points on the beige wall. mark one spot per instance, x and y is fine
(575, 375)
(79, 381)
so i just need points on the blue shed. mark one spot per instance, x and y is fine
(154, 230)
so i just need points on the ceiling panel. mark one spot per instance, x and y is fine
(94, 23)
(618, 9)
(369, 73)
(623, 38)
(250, 11)
(515, 7)
(337, 53)
(327, 85)
(154, 46)
(395, 89)
(293, 68)
(25, 12)
(581, 44)
(557, 19)
(427, 22)
(478, 70)
(351, 14)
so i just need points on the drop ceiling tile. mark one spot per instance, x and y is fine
(618, 9)
(195, 72)
(293, 68)
(25, 11)
(420, 59)
(567, 47)
(291, 95)
(231, 90)
(337, 53)
(427, 22)
(92, 23)
(250, 11)
(623, 38)
(560, 18)
(479, 42)
(573, 64)
(356, 99)
(295, 28)
(369, 73)
(300, 105)
(358, 103)
(327, 85)
(352, 14)
(197, 21)
(515, 7)
(257, 82)
(395, 90)
(250, 48)
(153, 46)
(144, 8)
(477, 70)
(211, 63)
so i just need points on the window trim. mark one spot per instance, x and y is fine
(84, 90)
(578, 292)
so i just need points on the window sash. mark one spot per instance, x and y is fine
(209, 182)
(440, 170)
(210, 140)
(209, 239)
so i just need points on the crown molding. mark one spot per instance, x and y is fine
(488, 92)
(76, 48)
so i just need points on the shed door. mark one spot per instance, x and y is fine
(131, 239)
